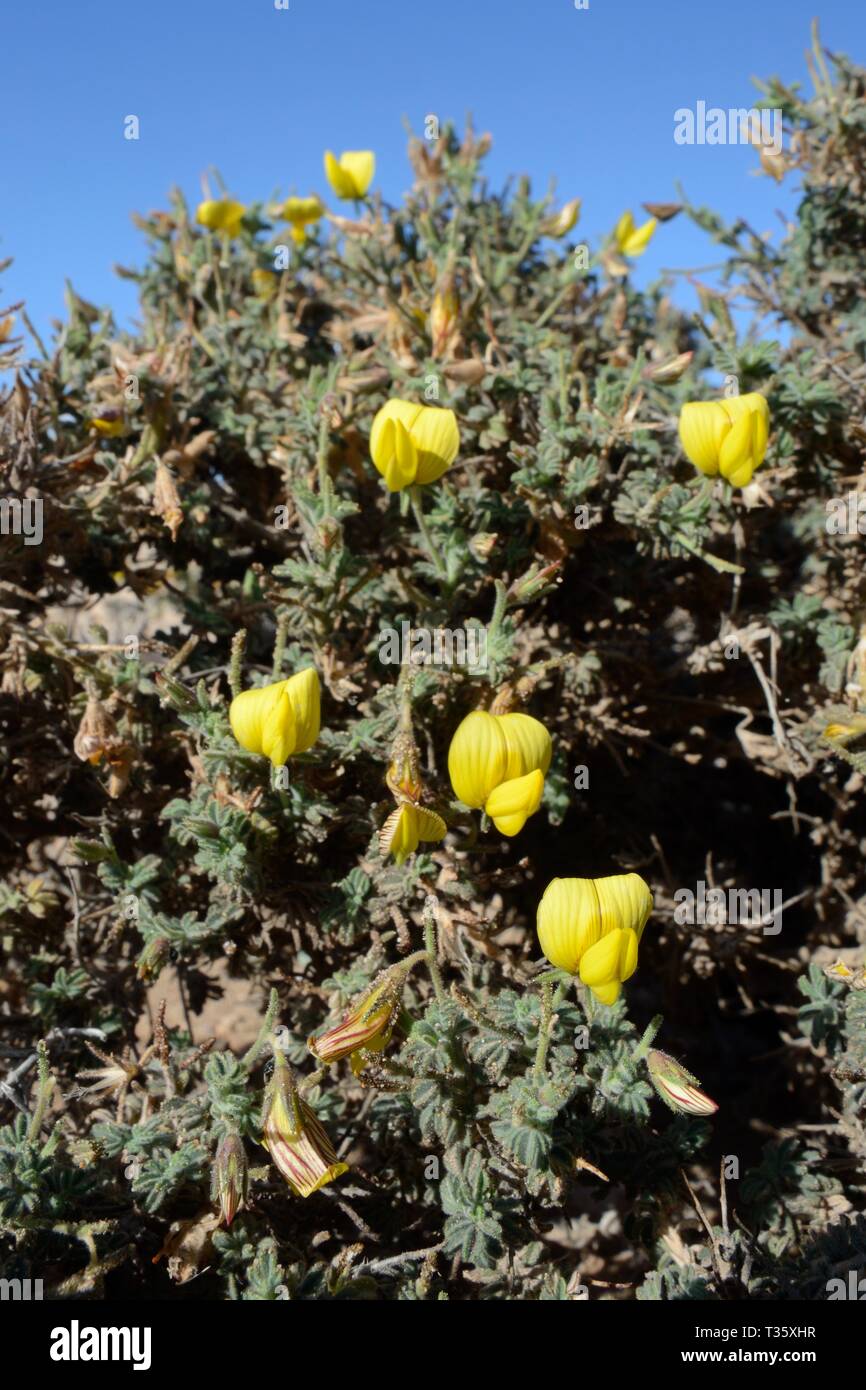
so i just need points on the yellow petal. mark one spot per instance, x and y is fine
(396, 457)
(528, 742)
(430, 826)
(337, 178)
(638, 239)
(437, 439)
(736, 458)
(623, 230)
(246, 713)
(399, 834)
(609, 962)
(278, 729)
(302, 210)
(221, 215)
(625, 901)
(703, 426)
(359, 165)
(304, 692)
(477, 758)
(739, 462)
(569, 921)
(511, 804)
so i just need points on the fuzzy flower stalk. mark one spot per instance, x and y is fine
(293, 1136)
(367, 1026)
(499, 762)
(592, 927)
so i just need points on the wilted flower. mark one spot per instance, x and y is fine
(221, 215)
(727, 437)
(498, 762)
(351, 175)
(230, 1176)
(406, 826)
(152, 958)
(562, 222)
(294, 1137)
(368, 1025)
(278, 720)
(301, 213)
(444, 313)
(109, 423)
(413, 443)
(632, 240)
(593, 926)
(676, 1086)
(96, 733)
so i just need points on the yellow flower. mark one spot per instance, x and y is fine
(593, 926)
(351, 175)
(368, 1025)
(265, 283)
(632, 240)
(562, 222)
(294, 1137)
(727, 437)
(278, 720)
(405, 827)
(413, 443)
(499, 761)
(301, 213)
(221, 215)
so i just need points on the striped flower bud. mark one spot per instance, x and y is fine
(367, 1026)
(294, 1137)
(230, 1176)
(676, 1086)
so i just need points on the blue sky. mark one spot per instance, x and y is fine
(585, 96)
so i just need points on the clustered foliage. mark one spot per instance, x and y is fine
(151, 901)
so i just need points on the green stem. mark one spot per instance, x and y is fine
(44, 1087)
(418, 513)
(239, 642)
(648, 1038)
(249, 1059)
(543, 1030)
(431, 946)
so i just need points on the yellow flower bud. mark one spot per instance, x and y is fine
(280, 719)
(499, 761)
(351, 175)
(676, 1086)
(221, 215)
(632, 240)
(593, 926)
(230, 1176)
(727, 437)
(413, 443)
(562, 222)
(294, 1137)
